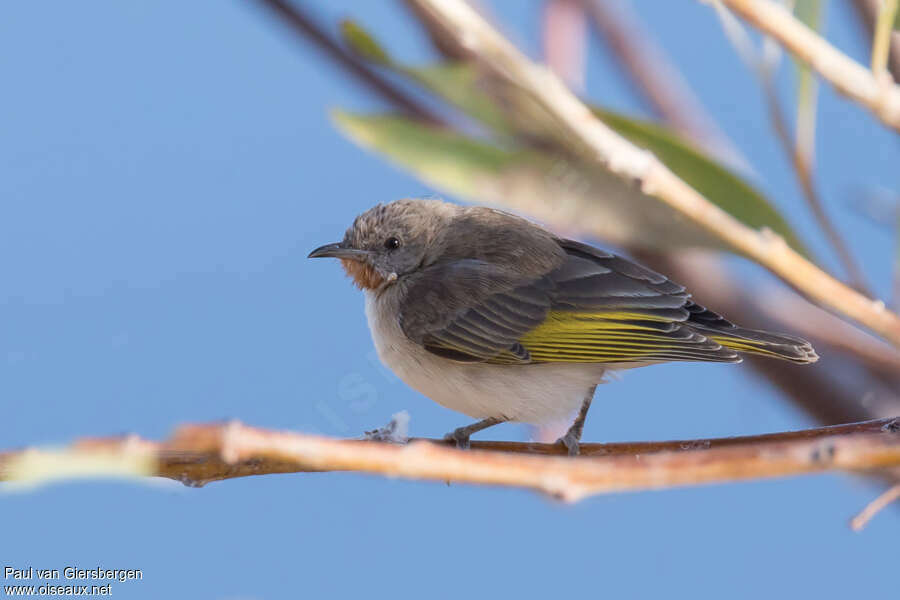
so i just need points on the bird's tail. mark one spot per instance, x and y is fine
(764, 343)
(751, 341)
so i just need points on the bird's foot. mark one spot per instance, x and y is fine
(572, 442)
(459, 437)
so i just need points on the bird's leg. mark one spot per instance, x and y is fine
(572, 439)
(461, 435)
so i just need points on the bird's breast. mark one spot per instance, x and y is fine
(525, 393)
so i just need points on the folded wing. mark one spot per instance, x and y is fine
(594, 307)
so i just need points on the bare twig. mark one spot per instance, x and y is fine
(199, 454)
(304, 25)
(875, 507)
(574, 127)
(880, 96)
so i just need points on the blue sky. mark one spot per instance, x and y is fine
(164, 169)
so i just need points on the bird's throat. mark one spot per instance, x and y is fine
(364, 275)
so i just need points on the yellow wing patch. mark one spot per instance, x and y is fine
(612, 337)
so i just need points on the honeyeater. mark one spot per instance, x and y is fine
(495, 317)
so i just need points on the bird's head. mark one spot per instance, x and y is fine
(389, 241)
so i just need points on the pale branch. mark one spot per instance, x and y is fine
(763, 64)
(198, 454)
(576, 129)
(803, 170)
(879, 94)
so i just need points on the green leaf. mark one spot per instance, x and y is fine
(812, 14)
(363, 44)
(440, 157)
(460, 85)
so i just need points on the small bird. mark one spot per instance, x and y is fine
(495, 317)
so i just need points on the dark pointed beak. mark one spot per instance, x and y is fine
(338, 250)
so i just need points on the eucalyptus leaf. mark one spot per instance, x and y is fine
(563, 193)
(362, 43)
(39, 466)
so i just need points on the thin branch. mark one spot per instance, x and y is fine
(652, 73)
(304, 25)
(880, 96)
(764, 66)
(868, 15)
(575, 128)
(803, 170)
(875, 507)
(198, 454)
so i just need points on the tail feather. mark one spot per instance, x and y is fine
(750, 341)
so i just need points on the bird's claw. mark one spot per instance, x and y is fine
(459, 439)
(571, 442)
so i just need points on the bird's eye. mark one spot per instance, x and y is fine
(392, 243)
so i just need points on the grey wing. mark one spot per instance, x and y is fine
(472, 312)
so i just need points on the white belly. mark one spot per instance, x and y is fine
(536, 394)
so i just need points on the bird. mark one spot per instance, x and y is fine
(495, 317)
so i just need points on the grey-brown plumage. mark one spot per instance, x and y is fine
(470, 305)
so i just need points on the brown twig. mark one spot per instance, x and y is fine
(304, 25)
(880, 96)
(803, 170)
(198, 454)
(573, 126)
